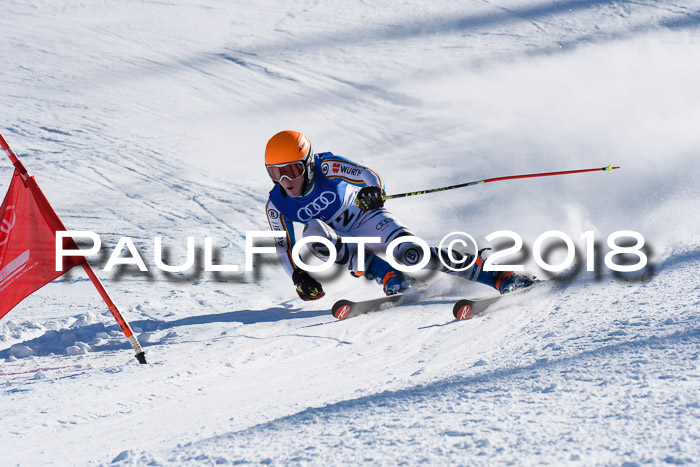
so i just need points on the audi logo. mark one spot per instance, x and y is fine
(315, 207)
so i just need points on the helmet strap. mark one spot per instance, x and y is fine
(310, 172)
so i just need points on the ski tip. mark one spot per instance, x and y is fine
(341, 309)
(462, 310)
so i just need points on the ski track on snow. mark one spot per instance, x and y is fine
(149, 119)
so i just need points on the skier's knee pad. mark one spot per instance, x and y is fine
(409, 254)
(318, 228)
(346, 253)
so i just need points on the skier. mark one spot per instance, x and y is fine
(334, 197)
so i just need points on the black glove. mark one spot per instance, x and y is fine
(370, 198)
(308, 288)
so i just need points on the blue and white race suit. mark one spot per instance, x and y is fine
(329, 210)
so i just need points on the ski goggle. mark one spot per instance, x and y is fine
(291, 170)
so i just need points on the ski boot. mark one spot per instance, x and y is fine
(503, 281)
(509, 281)
(393, 281)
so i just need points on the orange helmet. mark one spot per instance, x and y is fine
(287, 146)
(289, 154)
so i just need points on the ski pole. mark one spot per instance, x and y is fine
(608, 168)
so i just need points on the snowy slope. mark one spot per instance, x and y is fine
(146, 119)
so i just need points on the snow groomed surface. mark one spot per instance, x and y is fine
(146, 119)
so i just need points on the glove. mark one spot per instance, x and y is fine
(370, 198)
(308, 288)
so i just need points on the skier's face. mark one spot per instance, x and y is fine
(293, 186)
(290, 176)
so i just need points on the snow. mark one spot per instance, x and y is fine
(145, 119)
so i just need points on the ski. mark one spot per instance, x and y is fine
(465, 309)
(462, 310)
(344, 309)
